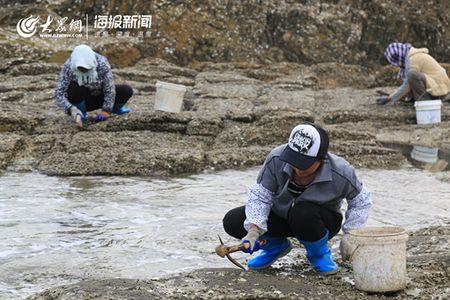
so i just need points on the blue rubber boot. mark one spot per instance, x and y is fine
(273, 249)
(319, 255)
(121, 110)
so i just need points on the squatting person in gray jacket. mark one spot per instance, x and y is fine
(298, 193)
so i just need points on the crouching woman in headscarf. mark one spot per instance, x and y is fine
(86, 83)
(423, 77)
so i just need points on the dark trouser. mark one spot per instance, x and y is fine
(307, 221)
(77, 94)
(418, 85)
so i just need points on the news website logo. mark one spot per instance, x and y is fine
(50, 27)
(138, 26)
(26, 27)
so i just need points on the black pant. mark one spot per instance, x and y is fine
(306, 221)
(76, 94)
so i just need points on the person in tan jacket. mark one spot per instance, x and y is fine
(423, 77)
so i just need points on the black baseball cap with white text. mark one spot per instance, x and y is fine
(307, 144)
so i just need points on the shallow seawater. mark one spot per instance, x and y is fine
(57, 230)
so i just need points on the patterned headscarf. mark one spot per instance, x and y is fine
(396, 55)
(84, 56)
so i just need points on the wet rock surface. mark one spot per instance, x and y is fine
(230, 120)
(348, 31)
(249, 81)
(428, 268)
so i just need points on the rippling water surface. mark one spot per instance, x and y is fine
(55, 231)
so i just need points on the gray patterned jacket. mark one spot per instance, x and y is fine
(335, 180)
(104, 84)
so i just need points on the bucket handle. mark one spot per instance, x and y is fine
(350, 259)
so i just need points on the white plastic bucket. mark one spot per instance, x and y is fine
(425, 154)
(169, 96)
(428, 112)
(379, 258)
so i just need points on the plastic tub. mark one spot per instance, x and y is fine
(379, 258)
(428, 112)
(169, 96)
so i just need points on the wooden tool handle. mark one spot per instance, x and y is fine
(223, 250)
(240, 247)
